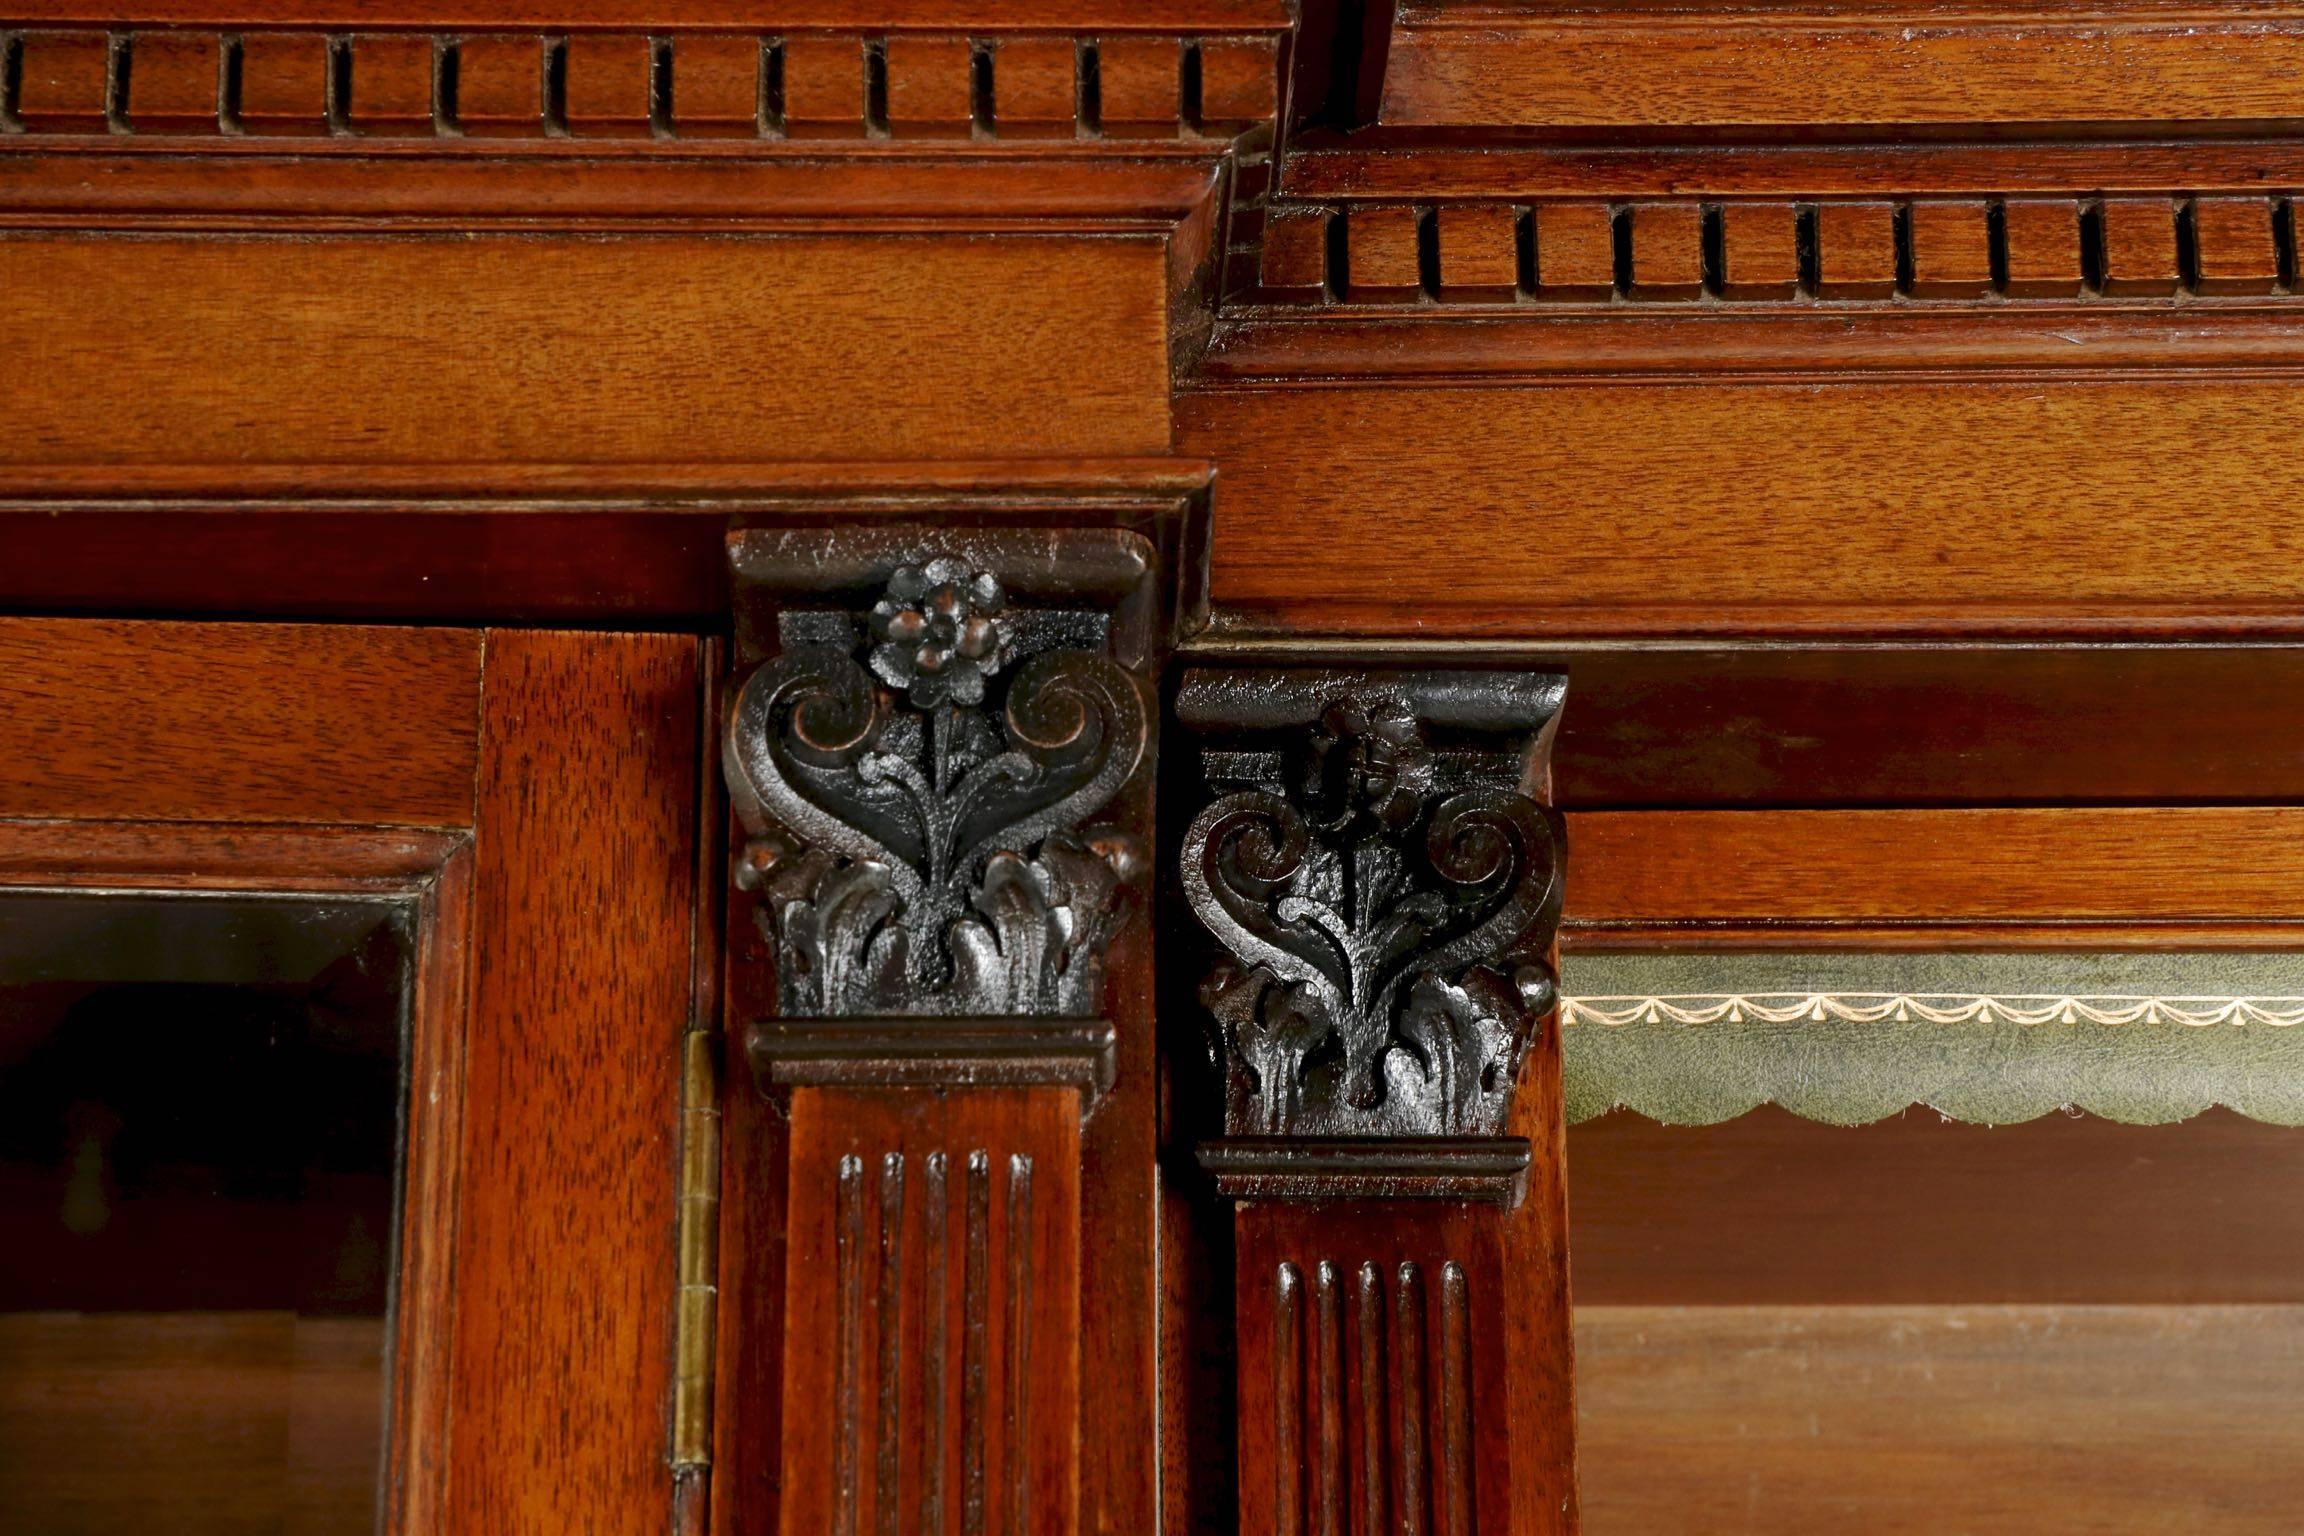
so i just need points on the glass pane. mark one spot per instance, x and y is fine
(2069, 1296)
(200, 1101)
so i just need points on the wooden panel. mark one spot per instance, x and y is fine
(1520, 168)
(238, 722)
(499, 85)
(1375, 1373)
(675, 349)
(1898, 1421)
(1453, 63)
(642, 15)
(824, 86)
(1295, 257)
(1826, 724)
(582, 916)
(1239, 82)
(1142, 84)
(1862, 505)
(1773, 1210)
(1949, 865)
(932, 1356)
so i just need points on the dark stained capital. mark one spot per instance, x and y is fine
(1382, 883)
(940, 763)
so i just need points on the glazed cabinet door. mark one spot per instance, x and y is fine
(344, 975)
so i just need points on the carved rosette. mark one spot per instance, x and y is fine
(1384, 896)
(921, 781)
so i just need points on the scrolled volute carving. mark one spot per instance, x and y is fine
(1386, 914)
(921, 801)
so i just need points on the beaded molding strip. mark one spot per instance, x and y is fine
(1932, 1008)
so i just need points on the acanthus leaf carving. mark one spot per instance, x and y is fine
(921, 801)
(1385, 912)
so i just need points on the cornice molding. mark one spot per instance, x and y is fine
(987, 85)
(1490, 256)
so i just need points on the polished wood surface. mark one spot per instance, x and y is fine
(1771, 1210)
(1863, 507)
(454, 361)
(1838, 724)
(2120, 864)
(1925, 1419)
(1772, 65)
(932, 1313)
(240, 722)
(582, 907)
(1376, 1374)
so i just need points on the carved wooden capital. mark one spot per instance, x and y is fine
(1383, 888)
(927, 761)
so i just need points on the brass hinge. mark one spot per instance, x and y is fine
(699, 1252)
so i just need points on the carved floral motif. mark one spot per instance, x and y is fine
(1386, 936)
(926, 851)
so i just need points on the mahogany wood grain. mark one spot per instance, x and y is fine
(1769, 1209)
(432, 1173)
(519, 565)
(1376, 1373)
(1406, 1365)
(224, 856)
(1585, 339)
(1407, 166)
(1820, 724)
(932, 1378)
(1865, 506)
(2033, 62)
(715, 185)
(748, 1411)
(678, 15)
(1794, 1421)
(238, 722)
(400, 350)
(1784, 867)
(582, 910)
